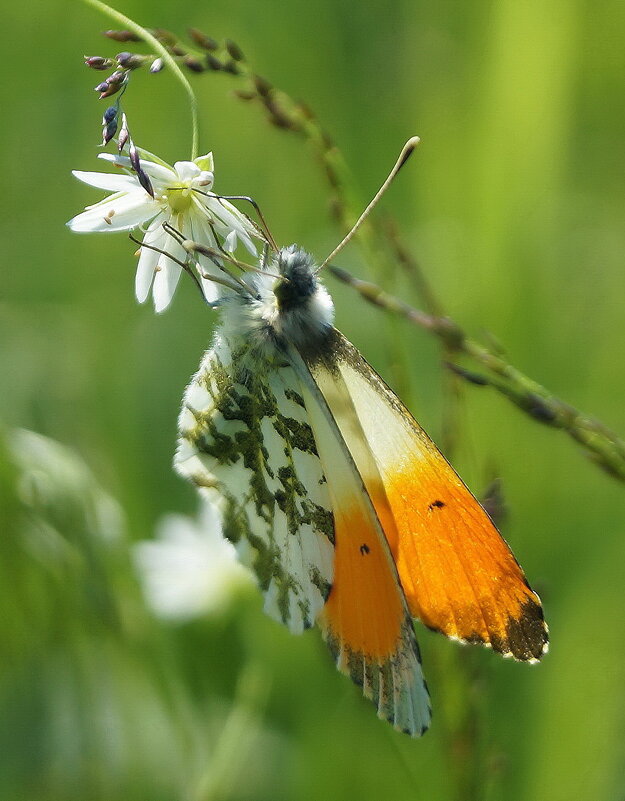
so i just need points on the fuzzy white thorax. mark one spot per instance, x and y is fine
(293, 308)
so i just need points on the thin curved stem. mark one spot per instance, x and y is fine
(133, 26)
(604, 447)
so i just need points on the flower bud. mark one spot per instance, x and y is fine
(202, 40)
(157, 65)
(133, 153)
(98, 63)
(109, 115)
(109, 124)
(111, 85)
(136, 164)
(106, 90)
(165, 37)
(129, 61)
(234, 50)
(213, 63)
(124, 134)
(117, 78)
(231, 66)
(122, 36)
(109, 131)
(263, 87)
(193, 64)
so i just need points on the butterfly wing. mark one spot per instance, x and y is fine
(457, 572)
(245, 441)
(258, 438)
(365, 621)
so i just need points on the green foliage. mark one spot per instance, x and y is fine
(514, 205)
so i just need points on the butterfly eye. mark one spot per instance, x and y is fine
(285, 295)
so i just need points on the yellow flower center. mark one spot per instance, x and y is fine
(179, 198)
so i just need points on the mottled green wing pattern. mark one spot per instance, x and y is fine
(245, 441)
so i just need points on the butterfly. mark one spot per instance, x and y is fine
(334, 496)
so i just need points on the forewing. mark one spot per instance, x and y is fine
(246, 442)
(365, 621)
(458, 574)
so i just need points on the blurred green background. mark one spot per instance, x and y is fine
(514, 205)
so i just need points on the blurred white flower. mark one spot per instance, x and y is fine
(189, 569)
(181, 197)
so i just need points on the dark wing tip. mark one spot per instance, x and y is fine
(526, 636)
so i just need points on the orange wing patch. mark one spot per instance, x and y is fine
(458, 574)
(366, 624)
(364, 612)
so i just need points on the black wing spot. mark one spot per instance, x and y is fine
(364, 548)
(436, 505)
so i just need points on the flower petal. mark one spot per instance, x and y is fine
(249, 245)
(230, 242)
(202, 233)
(186, 170)
(189, 569)
(125, 212)
(204, 179)
(106, 202)
(232, 218)
(165, 283)
(206, 162)
(108, 181)
(168, 274)
(118, 161)
(146, 155)
(160, 173)
(148, 259)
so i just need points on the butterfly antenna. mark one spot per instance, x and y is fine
(403, 158)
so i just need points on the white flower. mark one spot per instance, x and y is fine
(181, 198)
(189, 569)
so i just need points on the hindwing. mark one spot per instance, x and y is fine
(365, 621)
(245, 440)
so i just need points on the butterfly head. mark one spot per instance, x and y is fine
(297, 283)
(287, 302)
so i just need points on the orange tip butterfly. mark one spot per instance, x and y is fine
(348, 514)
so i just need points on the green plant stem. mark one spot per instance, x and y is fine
(604, 447)
(238, 737)
(131, 25)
